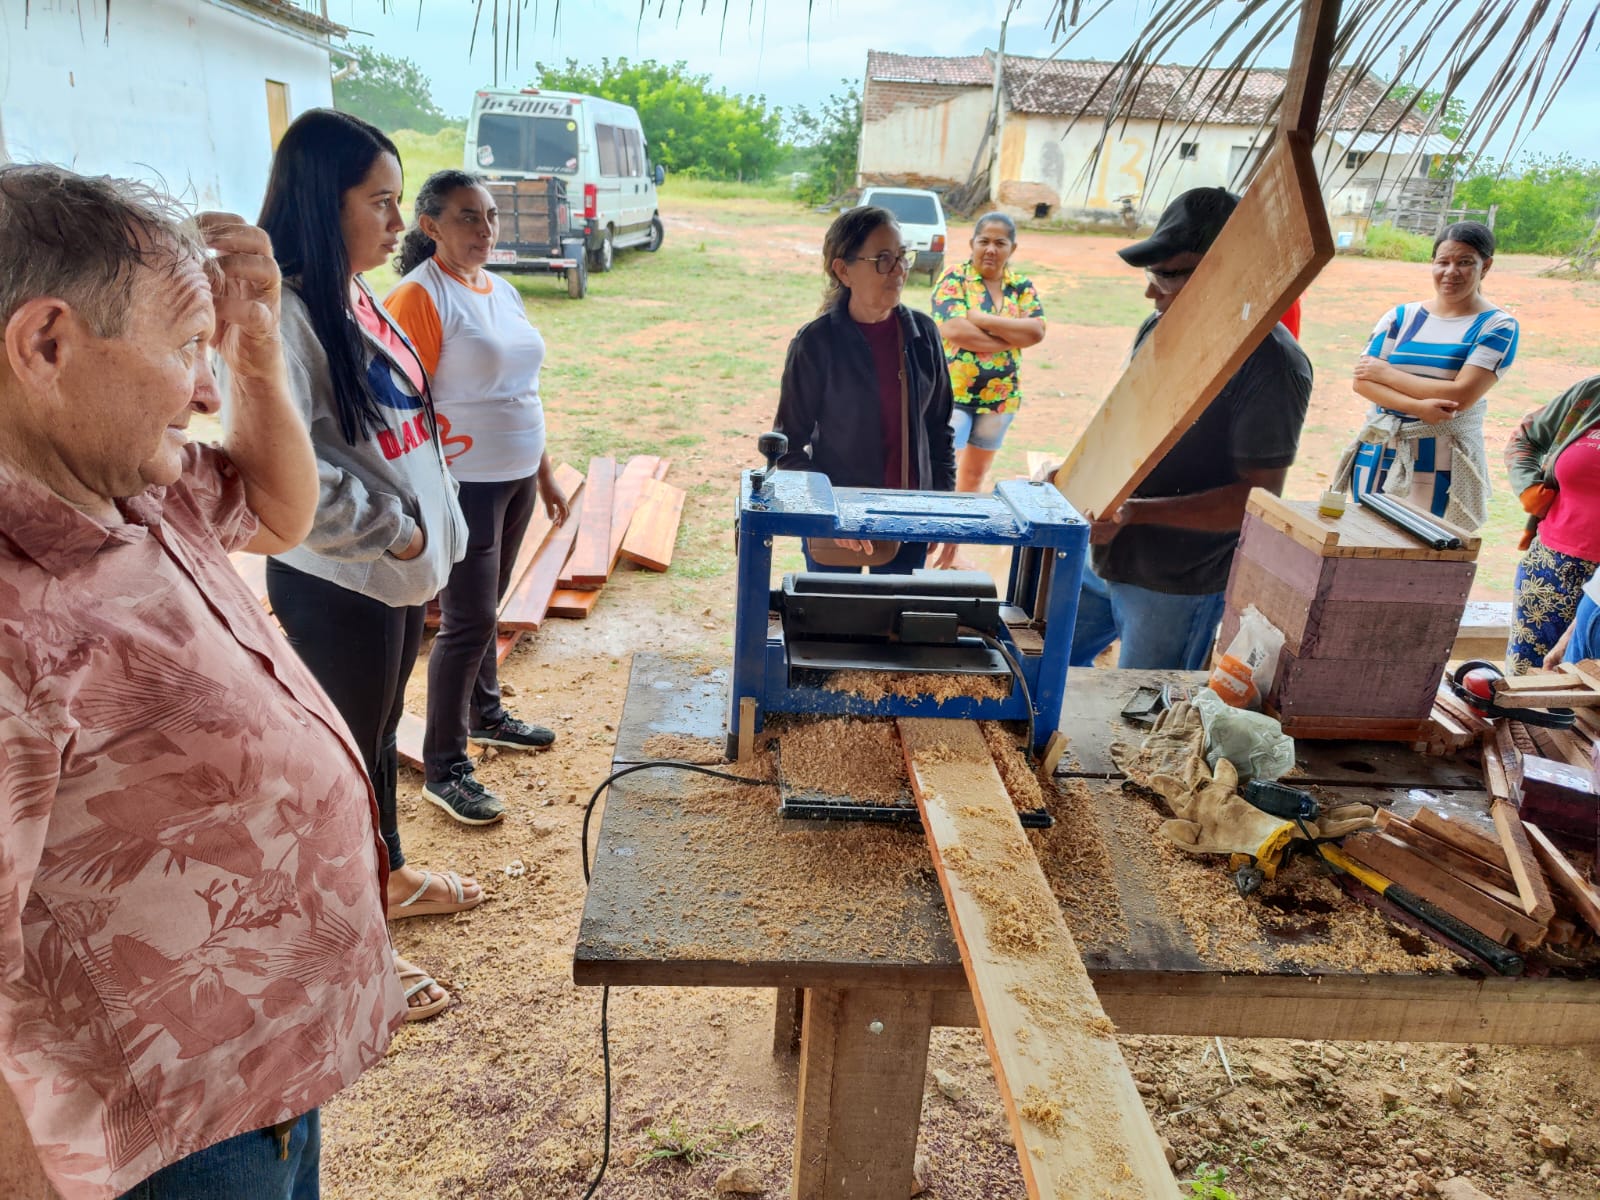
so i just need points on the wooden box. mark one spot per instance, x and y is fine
(1368, 612)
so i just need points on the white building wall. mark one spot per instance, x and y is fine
(934, 141)
(178, 93)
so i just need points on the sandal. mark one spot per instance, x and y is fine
(414, 979)
(415, 906)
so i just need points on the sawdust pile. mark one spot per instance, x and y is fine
(860, 759)
(1078, 866)
(1041, 1110)
(1015, 773)
(873, 686)
(704, 751)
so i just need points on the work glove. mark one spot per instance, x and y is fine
(1176, 739)
(1210, 817)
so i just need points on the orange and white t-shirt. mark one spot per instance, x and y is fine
(483, 356)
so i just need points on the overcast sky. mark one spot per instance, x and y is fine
(767, 46)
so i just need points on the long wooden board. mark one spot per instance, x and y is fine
(569, 480)
(654, 530)
(629, 492)
(573, 604)
(1585, 898)
(591, 553)
(528, 600)
(1080, 1126)
(1272, 247)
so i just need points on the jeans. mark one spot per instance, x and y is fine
(912, 556)
(249, 1166)
(463, 672)
(361, 652)
(1158, 631)
(982, 431)
(1585, 641)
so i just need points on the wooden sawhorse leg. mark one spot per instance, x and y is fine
(791, 1007)
(863, 1064)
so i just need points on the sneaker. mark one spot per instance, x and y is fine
(514, 735)
(464, 798)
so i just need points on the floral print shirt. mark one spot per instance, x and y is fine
(192, 938)
(984, 383)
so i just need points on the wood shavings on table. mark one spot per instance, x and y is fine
(703, 751)
(855, 758)
(873, 686)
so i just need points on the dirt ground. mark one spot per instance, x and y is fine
(502, 1095)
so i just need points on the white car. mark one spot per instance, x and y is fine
(921, 219)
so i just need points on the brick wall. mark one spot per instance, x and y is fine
(883, 98)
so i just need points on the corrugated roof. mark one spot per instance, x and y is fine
(971, 70)
(1062, 87)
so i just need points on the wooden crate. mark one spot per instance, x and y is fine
(1369, 613)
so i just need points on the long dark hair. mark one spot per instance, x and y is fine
(321, 157)
(418, 247)
(847, 234)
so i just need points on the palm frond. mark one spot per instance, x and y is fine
(1506, 60)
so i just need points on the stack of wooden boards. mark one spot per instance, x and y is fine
(1517, 887)
(1455, 725)
(1369, 615)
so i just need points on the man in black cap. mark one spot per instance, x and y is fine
(1160, 562)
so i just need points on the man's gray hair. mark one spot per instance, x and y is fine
(83, 239)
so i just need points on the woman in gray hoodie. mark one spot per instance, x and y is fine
(351, 597)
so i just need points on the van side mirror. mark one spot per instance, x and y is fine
(660, 175)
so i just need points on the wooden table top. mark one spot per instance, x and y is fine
(726, 893)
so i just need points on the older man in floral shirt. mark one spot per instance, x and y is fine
(192, 946)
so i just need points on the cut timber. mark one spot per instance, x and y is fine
(1539, 681)
(1579, 890)
(1469, 866)
(1273, 245)
(1080, 1126)
(591, 553)
(528, 601)
(539, 529)
(572, 604)
(1589, 671)
(1462, 837)
(1582, 697)
(1531, 886)
(630, 490)
(1393, 858)
(654, 530)
(1367, 729)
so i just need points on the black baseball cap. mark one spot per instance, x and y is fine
(1189, 224)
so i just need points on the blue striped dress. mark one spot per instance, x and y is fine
(1419, 343)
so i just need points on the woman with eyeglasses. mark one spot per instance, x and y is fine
(1426, 372)
(865, 397)
(987, 315)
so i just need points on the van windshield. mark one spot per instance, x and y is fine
(537, 145)
(907, 208)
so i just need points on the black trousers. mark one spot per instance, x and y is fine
(361, 651)
(463, 675)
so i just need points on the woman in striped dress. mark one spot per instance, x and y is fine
(1426, 372)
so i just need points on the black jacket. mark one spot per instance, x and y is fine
(828, 403)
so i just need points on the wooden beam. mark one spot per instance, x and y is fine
(630, 490)
(591, 552)
(1469, 866)
(1308, 66)
(1078, 1120)
(653, 532)
(1462, 837)
(1531, 886)
(1579, 890)
(528, 601)
(1271, 248)
(569, 480)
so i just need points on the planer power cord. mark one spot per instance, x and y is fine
(1022, 682)
(605, 992)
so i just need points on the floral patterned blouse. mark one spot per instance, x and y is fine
(984, 383)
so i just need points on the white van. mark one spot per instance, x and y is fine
(595, 147)
(921, 220)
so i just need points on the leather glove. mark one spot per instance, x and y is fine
(1177, 737)
(1210, 817)
(1336, 822)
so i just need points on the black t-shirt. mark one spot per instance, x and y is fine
(1254, 423)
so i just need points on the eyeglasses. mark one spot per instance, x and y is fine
(887, 261)
(1167, 282)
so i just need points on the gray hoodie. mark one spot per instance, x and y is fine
(375, 493)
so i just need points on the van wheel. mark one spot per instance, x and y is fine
(657, 235)
(578, 281)
(602, 258)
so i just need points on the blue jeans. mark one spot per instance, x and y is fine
(1158, 631)
(982, 431)
(912, 556)
(1585, 641)
(246, 1167)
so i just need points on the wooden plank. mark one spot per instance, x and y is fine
(573, 604)
(1531, 885)
(1468, 866)
(1074, 1111)
(654, 531)
(1575, 698)
(590, 561)
(1579, 890)
(1272, 247)
(1341, 729)
(1538, 681)
(863, 1067)
(630, 490)
(747, 728)
(1314, 51)
(661, 469)
(539, 528)
(1462, 836)
(1391, 857)
(528, 601)
(1589, 671)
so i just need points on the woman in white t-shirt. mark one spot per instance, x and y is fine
(1426, 371)
(483, 356)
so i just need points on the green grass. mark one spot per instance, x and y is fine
(1385, 241)
(686, 187)
(421, 154)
